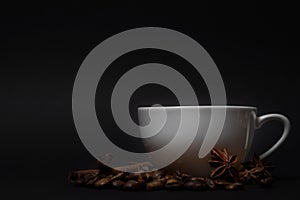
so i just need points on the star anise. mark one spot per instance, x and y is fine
(223, 164)
(255, 170)
(249, 175)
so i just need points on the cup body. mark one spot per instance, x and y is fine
(236, 136)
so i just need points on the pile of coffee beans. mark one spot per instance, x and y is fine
(155, 180)
(255, 171)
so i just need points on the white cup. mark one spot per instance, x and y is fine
(236, 135)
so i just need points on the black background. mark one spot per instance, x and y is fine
(42, 46)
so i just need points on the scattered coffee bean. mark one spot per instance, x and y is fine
(168, 176)
(221, 184)
(173, 183)
(211, 184)
(117, 184)
(197, 179)
(195, 185)
(157, 174)
(132, 176)
(131, 185)
(156, 184)
(118, 176)
(234, 186)
(185, 177)
(103, 181)
(91, 181)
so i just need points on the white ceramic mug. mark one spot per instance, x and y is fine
(236, 136)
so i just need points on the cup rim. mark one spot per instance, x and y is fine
(200, 107)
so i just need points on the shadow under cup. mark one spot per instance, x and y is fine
(236, 135)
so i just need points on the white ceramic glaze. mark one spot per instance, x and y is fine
(236, 136)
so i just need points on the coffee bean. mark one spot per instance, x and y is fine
(197, 179)
(234, 186)
(221, 183)
(147, 176)
(131, 185)
(132, 176)
(156, 184)
(117, 184)
(78, 178)
(140, 178)
(177, 175)
(102, 182)
(157, 174)
(185, 177)
(91, 181)
(173, 183)
(195, 185)
(90, 176)
(118, 176)
(210, 183)
(168, 176)
(115, 171)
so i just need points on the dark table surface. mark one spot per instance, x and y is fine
(52, 188)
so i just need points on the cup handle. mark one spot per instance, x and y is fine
(286, 129)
